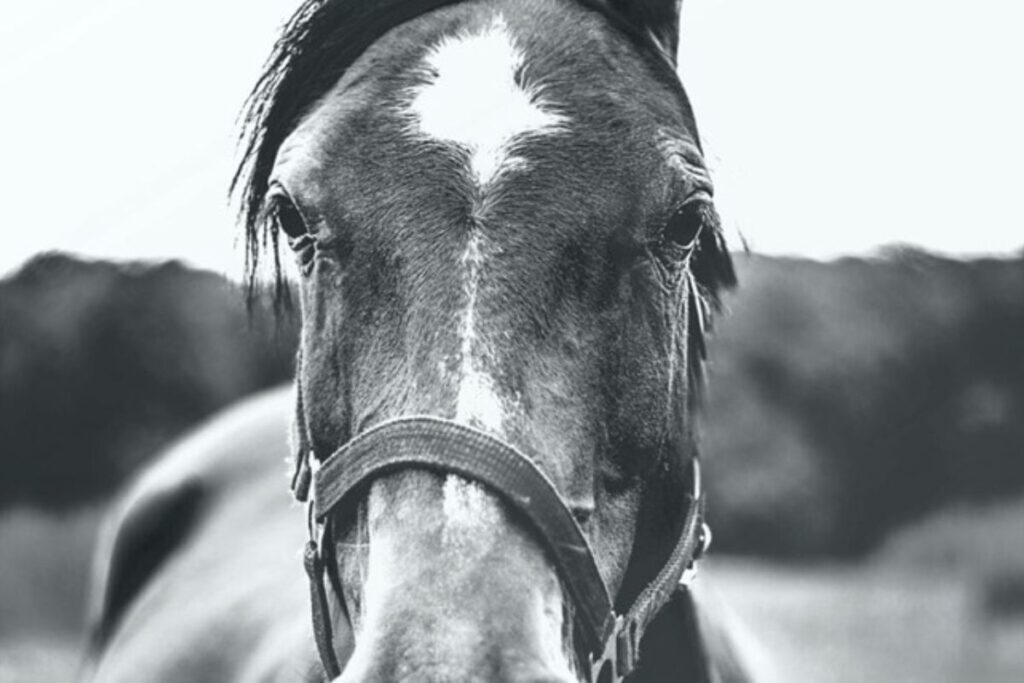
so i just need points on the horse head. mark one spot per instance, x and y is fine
(502, 219)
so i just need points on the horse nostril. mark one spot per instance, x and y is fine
(541, 674)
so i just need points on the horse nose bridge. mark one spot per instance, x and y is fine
(456, 588)
(451, 535)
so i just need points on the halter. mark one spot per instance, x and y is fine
(611, 641)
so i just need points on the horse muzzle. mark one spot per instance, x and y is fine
(451, 588)
(500, 604)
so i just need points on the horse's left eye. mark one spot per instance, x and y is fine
(684, 227)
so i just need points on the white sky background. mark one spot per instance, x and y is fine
(831, 128)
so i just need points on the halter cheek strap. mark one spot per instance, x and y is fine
(421, 442)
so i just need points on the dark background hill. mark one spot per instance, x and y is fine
(846, 398)
(102, 364)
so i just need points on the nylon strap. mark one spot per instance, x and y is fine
(448, 447)
(679, 569)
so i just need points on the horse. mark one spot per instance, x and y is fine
(507, 260)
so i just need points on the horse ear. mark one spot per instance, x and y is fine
(659, 18)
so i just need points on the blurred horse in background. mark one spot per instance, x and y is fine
(508, 258)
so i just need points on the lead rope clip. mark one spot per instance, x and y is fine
(703, 543)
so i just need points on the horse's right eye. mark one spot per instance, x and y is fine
(289, 222)
(288, 219)
(684, 226)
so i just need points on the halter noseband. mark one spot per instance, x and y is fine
(611, 641)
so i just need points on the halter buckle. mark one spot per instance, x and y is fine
(620, 652)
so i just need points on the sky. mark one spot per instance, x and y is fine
(830, 128)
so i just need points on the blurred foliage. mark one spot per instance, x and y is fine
(102, 364)
(849, 397)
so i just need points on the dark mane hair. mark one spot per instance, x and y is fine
(317, 44)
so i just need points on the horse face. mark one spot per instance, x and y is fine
(499, 212)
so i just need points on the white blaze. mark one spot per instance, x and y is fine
(478, 401)
(473, 101)
(476, 98)
(471, 513)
